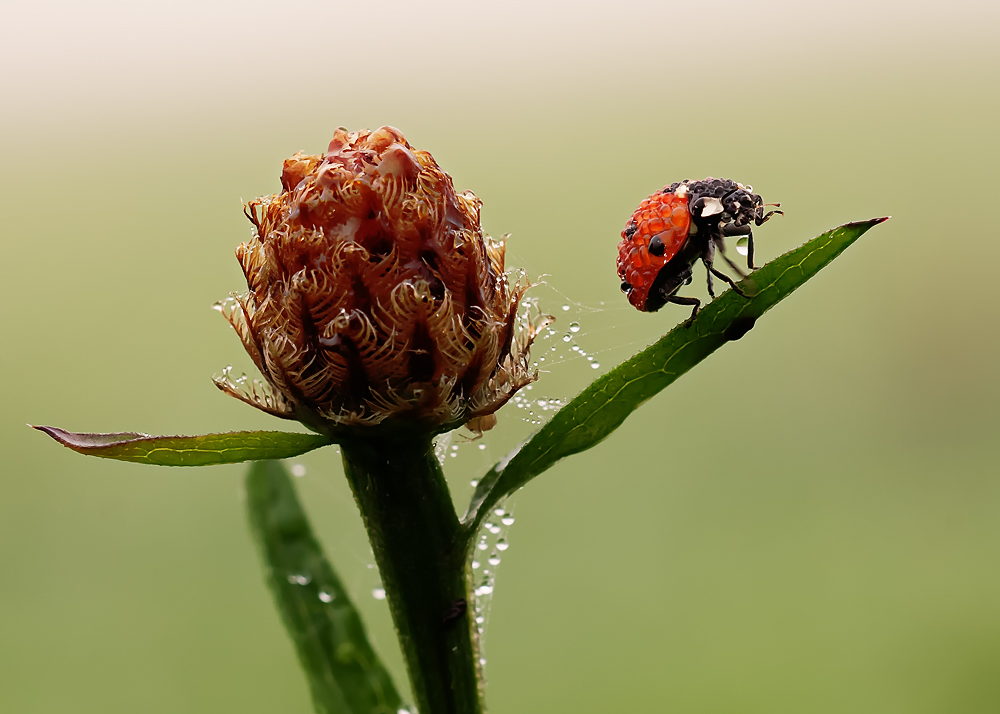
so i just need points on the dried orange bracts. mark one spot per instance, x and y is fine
(375, 296)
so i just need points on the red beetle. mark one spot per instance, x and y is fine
(674, 228)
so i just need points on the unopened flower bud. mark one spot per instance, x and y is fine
(374, 295)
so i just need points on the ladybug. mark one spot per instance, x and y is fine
(674, 228)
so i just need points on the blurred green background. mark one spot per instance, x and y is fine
(809, 522)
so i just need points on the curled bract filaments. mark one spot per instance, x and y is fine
(374, 295)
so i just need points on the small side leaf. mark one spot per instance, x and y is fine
(606, 403)
(230, 448)
(345, 675)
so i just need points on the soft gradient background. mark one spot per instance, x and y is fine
(809, 522)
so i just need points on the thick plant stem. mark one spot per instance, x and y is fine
(421, 550)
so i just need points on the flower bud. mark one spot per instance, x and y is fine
(374, 296)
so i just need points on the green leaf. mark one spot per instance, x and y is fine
(606, 403)
(230, 448)
(345, 675)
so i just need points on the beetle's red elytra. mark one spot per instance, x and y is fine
(679, 225)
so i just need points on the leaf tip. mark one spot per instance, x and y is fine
(50, 430)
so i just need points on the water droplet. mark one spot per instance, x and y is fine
(378, 593)
(743, 246)
(298, 470)
(565, 308)
(502, 544)
(454, 448)
(484, 590)
(474, 482)
(482, 546)
(500, 511)
(567, 337)
(297, 579)
(482, 660)
(507, 520)
(475, 564)
(482, 447)
(595, 365)
(494, 558)
(453, 454)
(574, 327)
(325, 596)
(480, 620)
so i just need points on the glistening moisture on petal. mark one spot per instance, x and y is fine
(374, 294)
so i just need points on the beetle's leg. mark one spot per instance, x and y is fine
(707, 258)
(679, 300)
(722, 252)
(712, 270)
(762, 219)
(767, 215)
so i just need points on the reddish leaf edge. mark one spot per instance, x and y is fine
(204, 450)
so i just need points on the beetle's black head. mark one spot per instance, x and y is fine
(721, 204)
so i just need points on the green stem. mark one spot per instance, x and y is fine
(421, 549)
